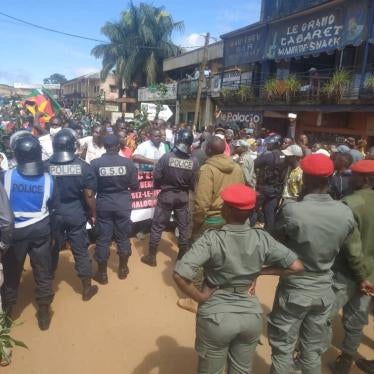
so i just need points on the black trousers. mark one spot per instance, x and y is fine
(269, 205)
(168, 202)
(34, 240)
(73, 229)
(109, 224)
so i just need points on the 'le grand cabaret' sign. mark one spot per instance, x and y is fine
(318, 34)
(323, 31)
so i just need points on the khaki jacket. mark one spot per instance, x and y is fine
(215, 175)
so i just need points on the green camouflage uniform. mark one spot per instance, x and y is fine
(315, 229)
(229, 323)
(355, 264)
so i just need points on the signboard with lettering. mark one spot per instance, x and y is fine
(230, 116)
(245, 48)
(326, 30)
(144, 200)
(111, 107)
(154, 94)
(312, 34)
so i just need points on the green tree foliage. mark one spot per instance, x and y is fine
(137, 45)
(55, 79)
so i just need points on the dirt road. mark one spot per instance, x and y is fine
(130, 327)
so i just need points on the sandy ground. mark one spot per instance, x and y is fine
(130, 327)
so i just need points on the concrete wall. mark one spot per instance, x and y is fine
(105, 86)
(215, 52)
(6, 90)
(91, 87)
(344, 124)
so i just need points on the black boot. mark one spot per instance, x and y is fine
(44, 316)
(123, 269)
(88, 289)
(150, 258)
(102, 275)
(367, 366)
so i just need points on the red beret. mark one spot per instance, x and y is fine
(317, 164)
(239, 196)
(363, 167)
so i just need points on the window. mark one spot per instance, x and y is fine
(113, 89)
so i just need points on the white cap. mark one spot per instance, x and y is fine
(293, 150)
(323, 151)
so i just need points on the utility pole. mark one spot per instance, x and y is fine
(201, 81)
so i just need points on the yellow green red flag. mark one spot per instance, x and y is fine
(40, 100)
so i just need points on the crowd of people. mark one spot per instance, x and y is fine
(245, 205)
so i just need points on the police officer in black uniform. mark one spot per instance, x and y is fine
(77, 185)
(117, 177)
(272, 170)
(34, 200)
(175, 174)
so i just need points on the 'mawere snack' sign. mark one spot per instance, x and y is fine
(308, 35)
(324, 31)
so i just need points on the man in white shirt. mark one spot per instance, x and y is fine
(45, 140)
(3, 162)
(170, 135)
(92, 146)
(149, 152)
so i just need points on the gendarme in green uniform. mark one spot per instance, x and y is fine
(229, 323)
(354, 265)
(315, 229)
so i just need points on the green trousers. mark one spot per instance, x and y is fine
(227, 341)
(356, 308)
(298, 317)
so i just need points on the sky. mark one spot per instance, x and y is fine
(28, 55)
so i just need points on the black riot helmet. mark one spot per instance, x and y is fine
(18, 134)
(28, 154)
(273, 141)
(63, 146)
(183, 141)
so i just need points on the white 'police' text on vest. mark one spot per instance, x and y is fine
(180, 163)
(65, 170)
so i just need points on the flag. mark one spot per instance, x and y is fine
(40, 100)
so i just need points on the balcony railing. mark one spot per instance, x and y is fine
(323, 86)
(314, 87)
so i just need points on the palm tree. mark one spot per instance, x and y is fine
(138, 43)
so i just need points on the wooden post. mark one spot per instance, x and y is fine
(201, 81)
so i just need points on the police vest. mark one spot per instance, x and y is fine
(28, 196)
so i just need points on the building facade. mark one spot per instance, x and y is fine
(184, 70)
(313, 58)
(94, 94)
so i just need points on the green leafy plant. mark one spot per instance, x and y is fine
(6, 340)
(292, 87)
(227, 92)
(337, 85)
(140, 119)
(275, 88)
(369, 83)
(244, 93)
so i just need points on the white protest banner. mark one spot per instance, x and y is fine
(165, 113)
(144, 200)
